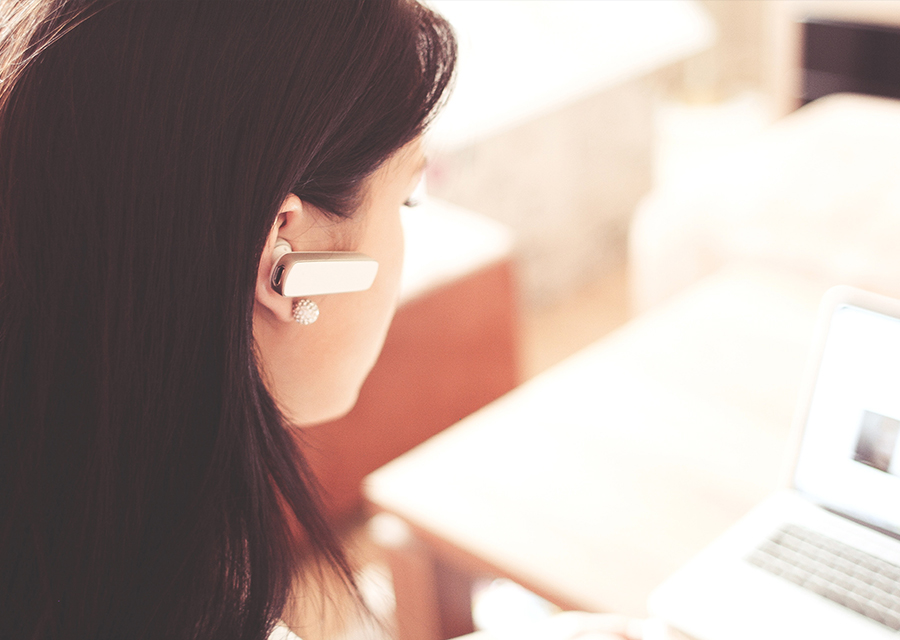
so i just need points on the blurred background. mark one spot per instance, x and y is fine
(569, 117)
(595, 159)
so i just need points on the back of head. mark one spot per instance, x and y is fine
(149, 486)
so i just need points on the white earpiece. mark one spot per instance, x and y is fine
(282, 246)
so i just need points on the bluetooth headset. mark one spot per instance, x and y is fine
(311, 273)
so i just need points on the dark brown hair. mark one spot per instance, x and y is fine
(149, 486)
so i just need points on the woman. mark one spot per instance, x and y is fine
(157, 159)
(152, 156)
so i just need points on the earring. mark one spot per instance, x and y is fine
(305, 311)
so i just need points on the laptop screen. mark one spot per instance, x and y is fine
(850, 453)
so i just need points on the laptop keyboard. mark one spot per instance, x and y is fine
(839, 572)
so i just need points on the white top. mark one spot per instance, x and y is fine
(281, 632)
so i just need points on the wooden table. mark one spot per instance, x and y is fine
(594, 481)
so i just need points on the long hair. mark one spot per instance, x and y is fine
(148, 485)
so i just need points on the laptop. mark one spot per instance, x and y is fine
(821, 558)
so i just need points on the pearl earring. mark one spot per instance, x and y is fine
(305, 311)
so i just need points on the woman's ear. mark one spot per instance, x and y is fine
(290, 224)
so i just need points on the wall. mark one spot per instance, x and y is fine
(567, 182)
